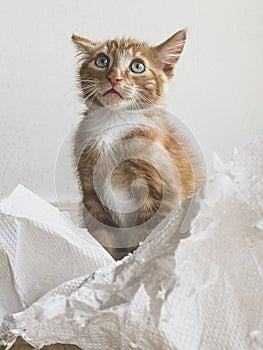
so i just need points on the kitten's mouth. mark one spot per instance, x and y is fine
(112, 91)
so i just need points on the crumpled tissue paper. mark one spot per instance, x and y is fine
(204, 292)
(39, 250)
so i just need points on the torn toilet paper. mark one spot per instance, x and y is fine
(39, 250)
(203, 293)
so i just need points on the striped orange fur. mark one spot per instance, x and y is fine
(129, 75)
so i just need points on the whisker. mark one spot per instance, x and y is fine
(88, 80)
(150, 93)
(93, 93)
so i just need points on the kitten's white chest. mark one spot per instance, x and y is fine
(104, 127)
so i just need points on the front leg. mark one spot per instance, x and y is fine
(95, 209)
(99, 223)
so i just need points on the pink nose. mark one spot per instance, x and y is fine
(114, 77)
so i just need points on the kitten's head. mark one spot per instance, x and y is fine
(126, 72)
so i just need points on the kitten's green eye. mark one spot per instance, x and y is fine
(137, 67)
(102, 61)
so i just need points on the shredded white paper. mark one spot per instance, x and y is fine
(39, 250)
(203, 293)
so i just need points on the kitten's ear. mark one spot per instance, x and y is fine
(83, 45)
(170, 51)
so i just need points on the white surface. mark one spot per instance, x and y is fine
(204, 294)
(217, 90)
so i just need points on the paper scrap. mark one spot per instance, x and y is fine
(40, 249)
(203, 292)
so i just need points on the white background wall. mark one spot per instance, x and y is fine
(217, 90)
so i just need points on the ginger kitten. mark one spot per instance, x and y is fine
(133, 166)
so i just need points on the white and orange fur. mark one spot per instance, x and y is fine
(127, 75)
